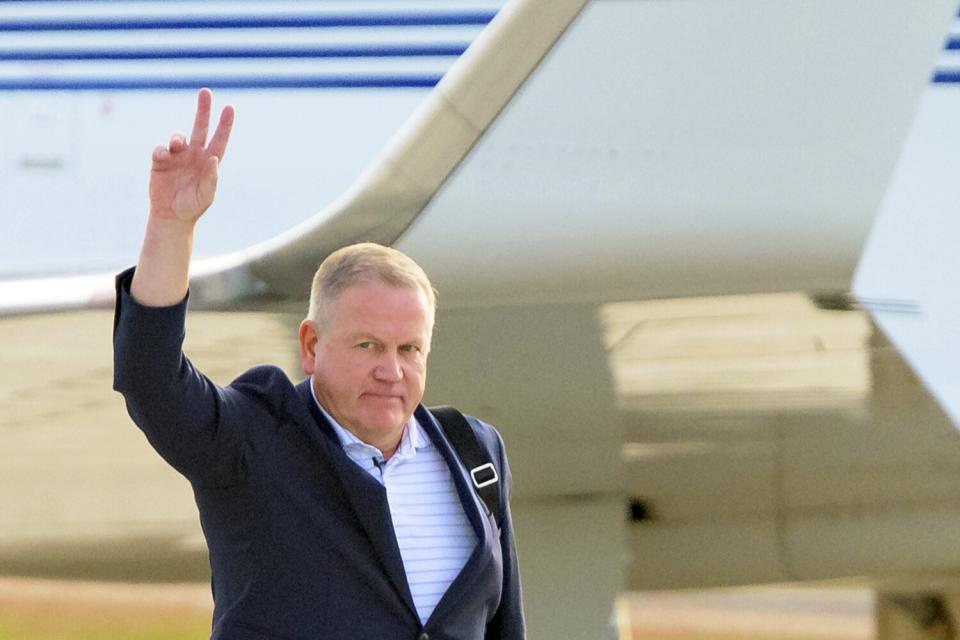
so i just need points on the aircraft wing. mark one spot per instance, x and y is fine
(381, 203)
(392, 192)
(906, 275)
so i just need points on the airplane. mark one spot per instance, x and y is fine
(644, 219)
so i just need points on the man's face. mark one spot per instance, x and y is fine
(368, 359)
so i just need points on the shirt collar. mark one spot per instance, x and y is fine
(413, 437)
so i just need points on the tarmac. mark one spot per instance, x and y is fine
(65, 610)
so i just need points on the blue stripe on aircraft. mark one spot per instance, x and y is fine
(240, 82)
(324, 20)
(206, 53)
(946, 76)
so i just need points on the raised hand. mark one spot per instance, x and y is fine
(183, 182)
(183, 176)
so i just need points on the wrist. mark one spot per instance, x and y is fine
(161, 278)
(169, 225)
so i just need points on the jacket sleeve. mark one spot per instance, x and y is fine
(180, 410)
(508, 622)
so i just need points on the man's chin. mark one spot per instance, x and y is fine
(386, 423)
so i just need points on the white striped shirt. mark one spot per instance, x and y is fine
(432, 530)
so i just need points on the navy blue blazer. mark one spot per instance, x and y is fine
(300, 537)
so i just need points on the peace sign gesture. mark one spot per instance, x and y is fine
(183, 182)
(183, 176)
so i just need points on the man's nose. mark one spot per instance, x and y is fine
(388, 368)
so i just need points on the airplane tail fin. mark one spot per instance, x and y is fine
(909, 272)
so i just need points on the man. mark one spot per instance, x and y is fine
(335, 508)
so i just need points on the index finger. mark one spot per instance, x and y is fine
(201, 122)
(218, 143)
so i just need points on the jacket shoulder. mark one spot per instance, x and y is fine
(487, 434)
(269, 387)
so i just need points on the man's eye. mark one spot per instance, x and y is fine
(410, 348)
(365, 345)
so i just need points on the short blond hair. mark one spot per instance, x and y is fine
(364, 263)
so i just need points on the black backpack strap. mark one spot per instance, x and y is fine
(483, 473)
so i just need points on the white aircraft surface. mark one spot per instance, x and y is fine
(578, 174)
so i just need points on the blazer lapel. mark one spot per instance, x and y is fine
(367, 497)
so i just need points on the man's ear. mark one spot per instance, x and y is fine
(308, 346)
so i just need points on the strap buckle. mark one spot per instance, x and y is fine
(479, 484)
